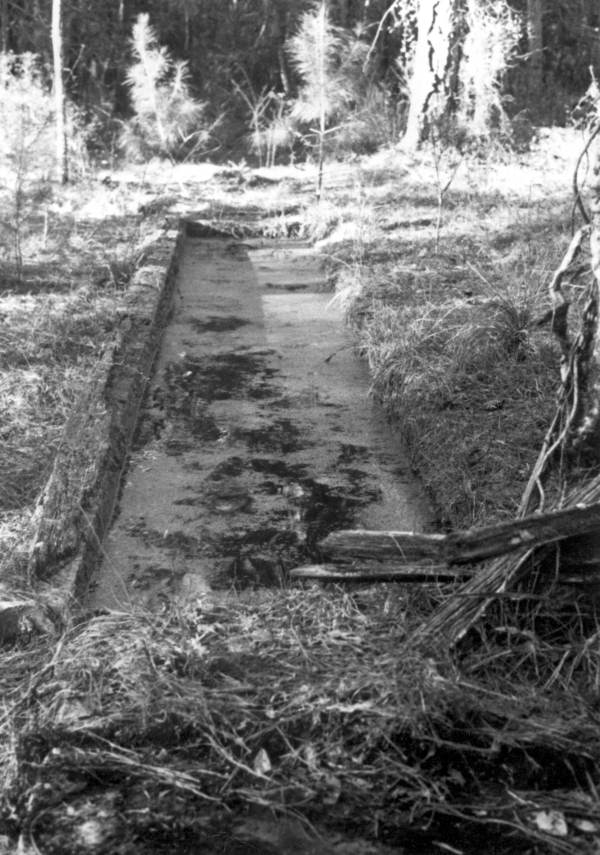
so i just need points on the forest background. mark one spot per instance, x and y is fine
(241, 67)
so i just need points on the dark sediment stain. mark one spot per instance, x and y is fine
(349, 453)
(259, 557)
(167, 407)
(282, 474)
(217, 323)
(325, 509)
(280, 435)
(230, 468)
(279, 468)
(217, 378)
(263, 556)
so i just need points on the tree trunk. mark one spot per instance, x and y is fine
(432, 62)
(590, 428)
(62, 164)
(535, 45)
(4, 25)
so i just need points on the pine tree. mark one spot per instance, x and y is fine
(316, 50)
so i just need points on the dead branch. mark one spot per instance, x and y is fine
(470, 602)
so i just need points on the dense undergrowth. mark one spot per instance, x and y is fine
(317, 706)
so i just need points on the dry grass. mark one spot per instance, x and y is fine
(473, 369)
(302, 701)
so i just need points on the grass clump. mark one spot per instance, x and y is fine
(472, 368)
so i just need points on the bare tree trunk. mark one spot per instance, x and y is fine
(62, 162)
(590, 427)
(4, 24)
(433, 58)
(535, 45)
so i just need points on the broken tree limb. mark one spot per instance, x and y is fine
(375, 571)
(532, 531)
(466, 546)
(469, 603)
(454, 618)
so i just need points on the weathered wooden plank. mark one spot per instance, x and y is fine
(463, 547)
(375, 571)
(401, 546)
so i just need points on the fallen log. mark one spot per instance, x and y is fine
(375, 571)
(463, 547)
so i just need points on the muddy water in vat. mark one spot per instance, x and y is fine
(258, 436)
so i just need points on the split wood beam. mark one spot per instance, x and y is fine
(376, 571)
(462, 547)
